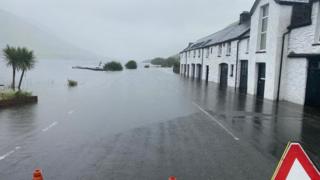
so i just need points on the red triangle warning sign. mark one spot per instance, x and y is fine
(295, 164)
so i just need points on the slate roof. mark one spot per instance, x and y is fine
(231, 32)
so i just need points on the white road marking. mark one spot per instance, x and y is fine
(9, 153)
(215, 120)
(70, 112)
(50, 126)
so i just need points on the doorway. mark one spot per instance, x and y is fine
(199, 67)
(313, 83)
(207, 73)
(223, 75)
(193, 70)
(243, 76)
(261, 79)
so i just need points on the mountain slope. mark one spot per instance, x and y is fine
(17, 32)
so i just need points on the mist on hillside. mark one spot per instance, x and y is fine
(16, 31)
(118, 29)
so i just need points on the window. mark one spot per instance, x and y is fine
(263, 27)
(232, 68)
(248, 45)
(228, 48)
(207, 51)
(317, 36)
(199, 53)
(220, 50)
(194, 53)
(211, 50)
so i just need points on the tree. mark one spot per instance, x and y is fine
(113, 66)
(19, 59)
(26, 62)
(176, 67)
(11, 57)
(131, 64)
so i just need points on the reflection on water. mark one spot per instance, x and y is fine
(268, 125)
(105, 103)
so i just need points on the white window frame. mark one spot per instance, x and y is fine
(248, 46)
(228, 49)
(207, 52)
(194, 53)
(317, 35)
(199, 53)
(264, 16)
(219, 50)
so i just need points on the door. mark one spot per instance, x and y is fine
(199, 71)
(207, 73)
(193, 70)
(223, 75)
(261, 79)
(313, 83)
(243, 77)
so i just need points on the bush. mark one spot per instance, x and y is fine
(176, 67)
(72, 83)
(147, 66)
(165, 62)
(131, 64)
(113, 66)
(10, 94)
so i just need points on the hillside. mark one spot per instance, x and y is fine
(17, 32)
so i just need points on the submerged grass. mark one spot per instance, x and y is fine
(10, 94)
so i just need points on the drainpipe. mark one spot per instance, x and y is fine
(201, 64)
(281, 63)
(237, 62)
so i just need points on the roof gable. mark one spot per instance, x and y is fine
(281, 2)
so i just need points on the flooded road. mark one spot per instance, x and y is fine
(145, 124)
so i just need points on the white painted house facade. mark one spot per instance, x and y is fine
(272, 52)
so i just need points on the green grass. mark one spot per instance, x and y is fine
(72, 83)
(10, 94)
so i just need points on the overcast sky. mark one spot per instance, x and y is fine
(129, 29)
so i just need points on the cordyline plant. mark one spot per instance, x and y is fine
(20, 59)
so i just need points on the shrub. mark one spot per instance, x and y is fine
(72, 83)
(113, 66)
(131, 64)
(165, 62)
(147, 66)
(176, 67)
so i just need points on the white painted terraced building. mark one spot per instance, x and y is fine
(272, 52)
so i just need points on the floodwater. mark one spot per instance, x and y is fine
(145, 124)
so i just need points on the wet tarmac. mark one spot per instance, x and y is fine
(146, 124)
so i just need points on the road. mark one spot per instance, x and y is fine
(149, 124)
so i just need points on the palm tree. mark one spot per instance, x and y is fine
(26, 62)
(11, 56)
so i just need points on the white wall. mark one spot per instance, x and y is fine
(301, 40)
(278, 21)
(294, 80)
(214, 63)
(295, 70)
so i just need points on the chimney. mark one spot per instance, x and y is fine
(244, 17)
